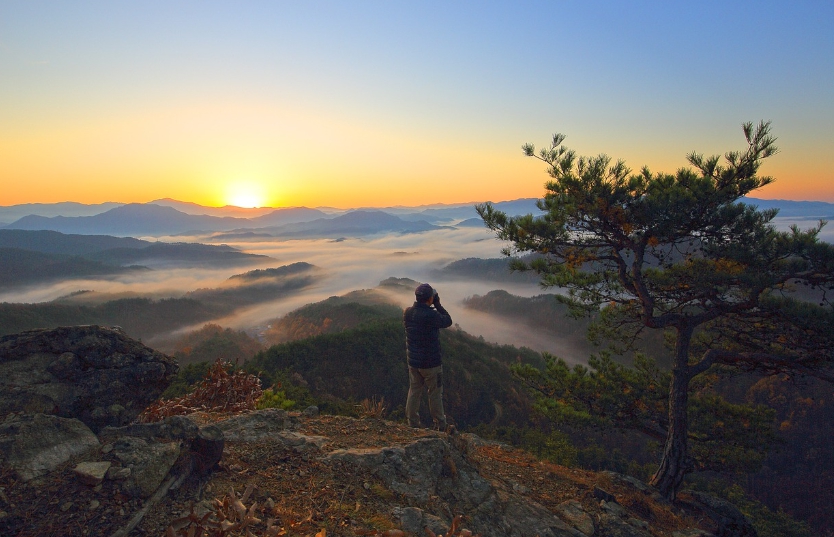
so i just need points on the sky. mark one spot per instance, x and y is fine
(383, 103)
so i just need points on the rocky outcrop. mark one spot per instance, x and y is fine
(95, 374)
(434, 468)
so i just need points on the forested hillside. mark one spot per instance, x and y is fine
(369, 361)
(140, 318)
(20, 267)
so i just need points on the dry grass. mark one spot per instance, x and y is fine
(372, 408)
(220, 391)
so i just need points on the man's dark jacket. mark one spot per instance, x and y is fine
(422, 334)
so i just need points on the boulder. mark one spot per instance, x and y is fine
(35, 444)
(95, 374)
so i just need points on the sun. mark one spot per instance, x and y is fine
(246, 195)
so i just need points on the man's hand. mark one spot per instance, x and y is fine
(436, 300)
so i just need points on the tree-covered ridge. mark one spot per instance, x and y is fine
(330, 316)
(147, 317)
(243, 290)
(278, 272)
(20, 267)
(54, 242)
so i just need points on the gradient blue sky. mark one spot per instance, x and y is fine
(384, 103)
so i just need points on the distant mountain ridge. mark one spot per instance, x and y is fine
(171, 217)
(362, 222)
(130, 219)
(12, 213)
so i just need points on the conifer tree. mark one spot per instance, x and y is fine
(681, 252)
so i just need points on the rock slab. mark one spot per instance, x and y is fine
(35, 444)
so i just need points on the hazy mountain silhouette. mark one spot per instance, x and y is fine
(189, 207)
(287, 216)
(795, 209)
(354, 223)
(465, 212)
(12, 213)
(258, 217)
(131, 219)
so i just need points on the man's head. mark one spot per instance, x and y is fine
(424, 292)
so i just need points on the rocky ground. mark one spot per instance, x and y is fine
(301, 488)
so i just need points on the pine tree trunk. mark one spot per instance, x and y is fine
(675, 462)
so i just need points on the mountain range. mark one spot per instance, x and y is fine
(166, 217)
(171, 217)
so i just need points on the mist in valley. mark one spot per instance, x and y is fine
(342, 266)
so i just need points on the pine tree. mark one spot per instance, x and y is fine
(681, 252)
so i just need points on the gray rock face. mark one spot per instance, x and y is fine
(431, 468)
(34, 445)
(575, 515)
(171, 428)
(95, 374)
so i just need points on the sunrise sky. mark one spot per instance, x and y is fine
(378, 103)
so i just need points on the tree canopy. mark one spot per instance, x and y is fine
(681, 252)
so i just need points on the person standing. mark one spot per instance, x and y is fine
(425, 367)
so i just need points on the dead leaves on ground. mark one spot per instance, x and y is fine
(227, 516)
